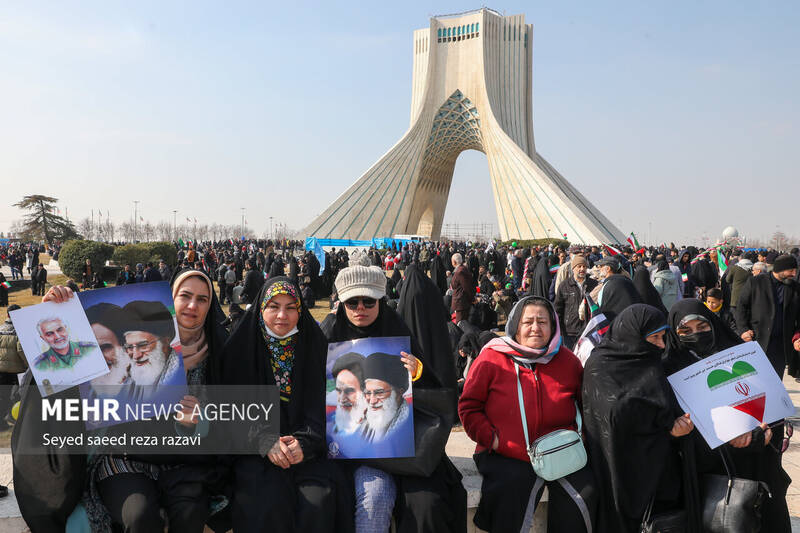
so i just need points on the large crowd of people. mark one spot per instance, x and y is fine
(494, 326)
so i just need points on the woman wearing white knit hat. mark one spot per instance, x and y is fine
(363, 312)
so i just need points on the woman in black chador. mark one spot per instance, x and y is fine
(695, 333)
(629, 421)
(291, 484)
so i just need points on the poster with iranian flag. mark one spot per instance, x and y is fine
(731, 392)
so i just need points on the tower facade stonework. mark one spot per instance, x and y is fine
(471, 89)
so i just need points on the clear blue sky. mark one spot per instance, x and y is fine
(683, 114)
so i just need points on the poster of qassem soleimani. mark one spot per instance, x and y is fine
(59, 345)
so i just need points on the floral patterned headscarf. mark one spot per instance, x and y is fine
(281, 351)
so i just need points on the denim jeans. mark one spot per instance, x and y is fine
(375, 494)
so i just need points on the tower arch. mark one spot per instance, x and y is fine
(471, 89)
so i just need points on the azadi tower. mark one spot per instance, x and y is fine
(471, 89)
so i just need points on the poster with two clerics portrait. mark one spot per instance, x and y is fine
(369, 399)
(123, 343)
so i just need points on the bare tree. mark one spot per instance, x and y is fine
(202, 232)
(125, 229)
(249, 233)
(148, 230)
(16, 229)
(85, 228)
(107, 230)
(778, 240)
(163, 231)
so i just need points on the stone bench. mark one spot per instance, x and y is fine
(11, 520)
(472, 483)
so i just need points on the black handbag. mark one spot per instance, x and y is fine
(667, 522)
(731, 504)
(434, 413)
(49, 483)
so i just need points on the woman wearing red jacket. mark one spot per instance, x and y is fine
(550, 376)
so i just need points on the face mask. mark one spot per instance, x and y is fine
(702, 342)
(280, 337)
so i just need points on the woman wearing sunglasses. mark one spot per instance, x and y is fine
(695, 332)
(363, 312)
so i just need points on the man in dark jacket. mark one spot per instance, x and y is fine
(151, 274)
(125, 276)
(737, 276)
(88, 275)
(39, 281)
(570, 298)
(164, 271)
(768, 312)
(463, 289)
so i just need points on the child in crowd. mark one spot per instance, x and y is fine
(714, 301)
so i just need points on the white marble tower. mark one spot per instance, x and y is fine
(471, 89)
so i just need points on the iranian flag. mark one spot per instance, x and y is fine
(5, 285)
(181, 243)
(611, 250)
(593, 333)
(722, 262)
(633, 242)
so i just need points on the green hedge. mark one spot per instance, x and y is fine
(145, 252)
(131, 254)
(162, 250)
(536, 242)
(74, 254)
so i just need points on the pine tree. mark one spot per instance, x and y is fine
(42, 222)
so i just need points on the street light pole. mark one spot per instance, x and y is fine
(135, 216)
(241, 233)
(270, 227)
(174, 224)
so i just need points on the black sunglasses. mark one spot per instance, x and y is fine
(352, 303)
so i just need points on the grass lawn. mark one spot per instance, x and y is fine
(24, 298)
